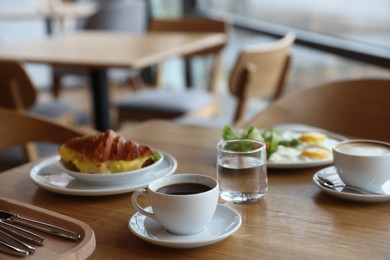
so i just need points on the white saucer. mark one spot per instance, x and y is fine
(331, 174)
(49, 176)
(225, 222)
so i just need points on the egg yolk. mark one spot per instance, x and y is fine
(313, 137)
(78, 162)
(315, 153)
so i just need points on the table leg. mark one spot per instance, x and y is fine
(188, 73)
(99, 84)
(49, 25)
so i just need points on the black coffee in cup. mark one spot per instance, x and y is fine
(184, 189)
(182, 213)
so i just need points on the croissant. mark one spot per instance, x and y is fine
(105, 153)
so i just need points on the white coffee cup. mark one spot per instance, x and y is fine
(182, 214)
(363, 164)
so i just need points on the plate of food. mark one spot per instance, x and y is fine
(291, 146)
(101, 164)
(106, 159)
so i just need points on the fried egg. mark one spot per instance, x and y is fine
(315, 152)
(75, 161)
(314, 146)
(312, 137)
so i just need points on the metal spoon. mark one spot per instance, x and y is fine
(331, 185)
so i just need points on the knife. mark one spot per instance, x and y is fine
(37, 225)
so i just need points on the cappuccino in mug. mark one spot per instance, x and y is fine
(363, 163)
(366, 148)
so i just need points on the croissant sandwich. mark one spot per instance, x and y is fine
(105, 153)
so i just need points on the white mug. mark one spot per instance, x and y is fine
(182, 214)
(363, 164)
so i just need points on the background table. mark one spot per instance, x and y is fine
(99, 51)
(295, 220)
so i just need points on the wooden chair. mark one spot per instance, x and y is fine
(19, 93)
(259, 72)
(159, 102)
(18, 128)
(355, 108)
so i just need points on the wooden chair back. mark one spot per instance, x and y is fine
(191, 24)
(260, 71)
(355, 108)
(17, 90)
(195, 25)
(20, 128)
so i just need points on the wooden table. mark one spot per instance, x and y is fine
(101, 50)
(295, 220)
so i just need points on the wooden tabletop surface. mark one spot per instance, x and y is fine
(94, 49)
(295, 220)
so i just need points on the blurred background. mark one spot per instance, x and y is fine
(335, 40)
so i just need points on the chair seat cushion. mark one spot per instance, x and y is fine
(15, 156)
(56, 108)
(161, 100)
(208, 122)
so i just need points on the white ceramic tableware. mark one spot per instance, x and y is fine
(363, 163)
(224, 223)
(183, 212)
(382, 195)
(47, 175)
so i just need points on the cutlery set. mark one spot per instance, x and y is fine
(14, 239)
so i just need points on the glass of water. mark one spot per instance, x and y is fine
(242, 170)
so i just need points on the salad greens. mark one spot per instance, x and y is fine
(155, 157)
(152, 159)
(271, 137)
(239, 146)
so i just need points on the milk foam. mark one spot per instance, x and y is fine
(364, 148)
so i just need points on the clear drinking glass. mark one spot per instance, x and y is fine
(242, 170)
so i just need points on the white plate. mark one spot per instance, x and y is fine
(331, 174)
(49, 176)
(110, 179)
(225, 222)
(300, 129)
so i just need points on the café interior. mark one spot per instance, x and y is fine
(179, 76)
